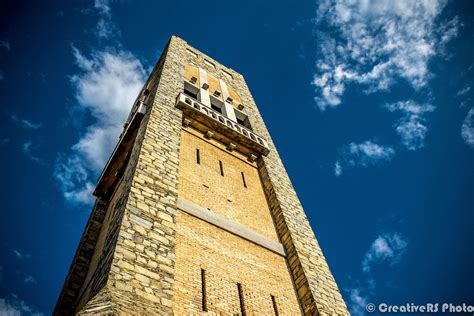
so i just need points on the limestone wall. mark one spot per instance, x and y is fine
(137, 272)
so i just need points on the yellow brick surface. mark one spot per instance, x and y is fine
(225, 195)
(191, 71)
(227, 260)
(234, 95)
(213, 84)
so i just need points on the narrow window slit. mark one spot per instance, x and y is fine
(221, 167)
(275, 309)
(198, 157)
(203, 289)
(241, 299)
(243, 179)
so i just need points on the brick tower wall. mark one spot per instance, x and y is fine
(138, 270)
(226, 259)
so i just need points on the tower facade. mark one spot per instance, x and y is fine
(195, 212)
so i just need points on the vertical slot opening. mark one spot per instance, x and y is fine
(221, 167)
(275, 309)
(203, 289)
(243, 179)
(198, 157)
(241, 299)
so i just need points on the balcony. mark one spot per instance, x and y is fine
(230, 132)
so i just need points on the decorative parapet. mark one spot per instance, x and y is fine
(234, 135)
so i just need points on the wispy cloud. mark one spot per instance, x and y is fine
(20, 255)
(411, 127)
(363, 154)
(24, 122)
(74, 178)
(387, 248)
(463, 91)
(358, 301)
(4, 141)
(13, 306)
(377, 43)
(105, 28)
(106, 87)
(103, 7)
(27, 150)
(5, 44)
(337, 169)
(29, 279)
(467, 128)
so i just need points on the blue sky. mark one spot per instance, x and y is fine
(370, 104)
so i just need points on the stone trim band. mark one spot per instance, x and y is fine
(230, 226)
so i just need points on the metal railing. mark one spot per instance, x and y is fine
(198, 106)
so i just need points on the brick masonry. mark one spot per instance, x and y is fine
(128, 258)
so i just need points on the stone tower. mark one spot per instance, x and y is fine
(195, 212)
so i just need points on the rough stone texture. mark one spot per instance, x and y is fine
(125, 263)
(141, 231)
(143, 262)
(81, 262)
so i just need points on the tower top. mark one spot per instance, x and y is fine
(195, 211)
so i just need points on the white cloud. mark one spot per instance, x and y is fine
(74, 178)
(105, 28)
(21, 255)
(368, 153)
(82, 194)
(463, 91)
(467, 128)
(24, 122)
(27, 150)
(377, 43)
(29, 279)
(337, 169)
(411, 127)
(8, 310)
(102, 7)
(363, 154)
(106, 87)
(358, 301)
(386, 248)
(13, 306)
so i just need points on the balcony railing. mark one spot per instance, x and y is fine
(225, 126)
